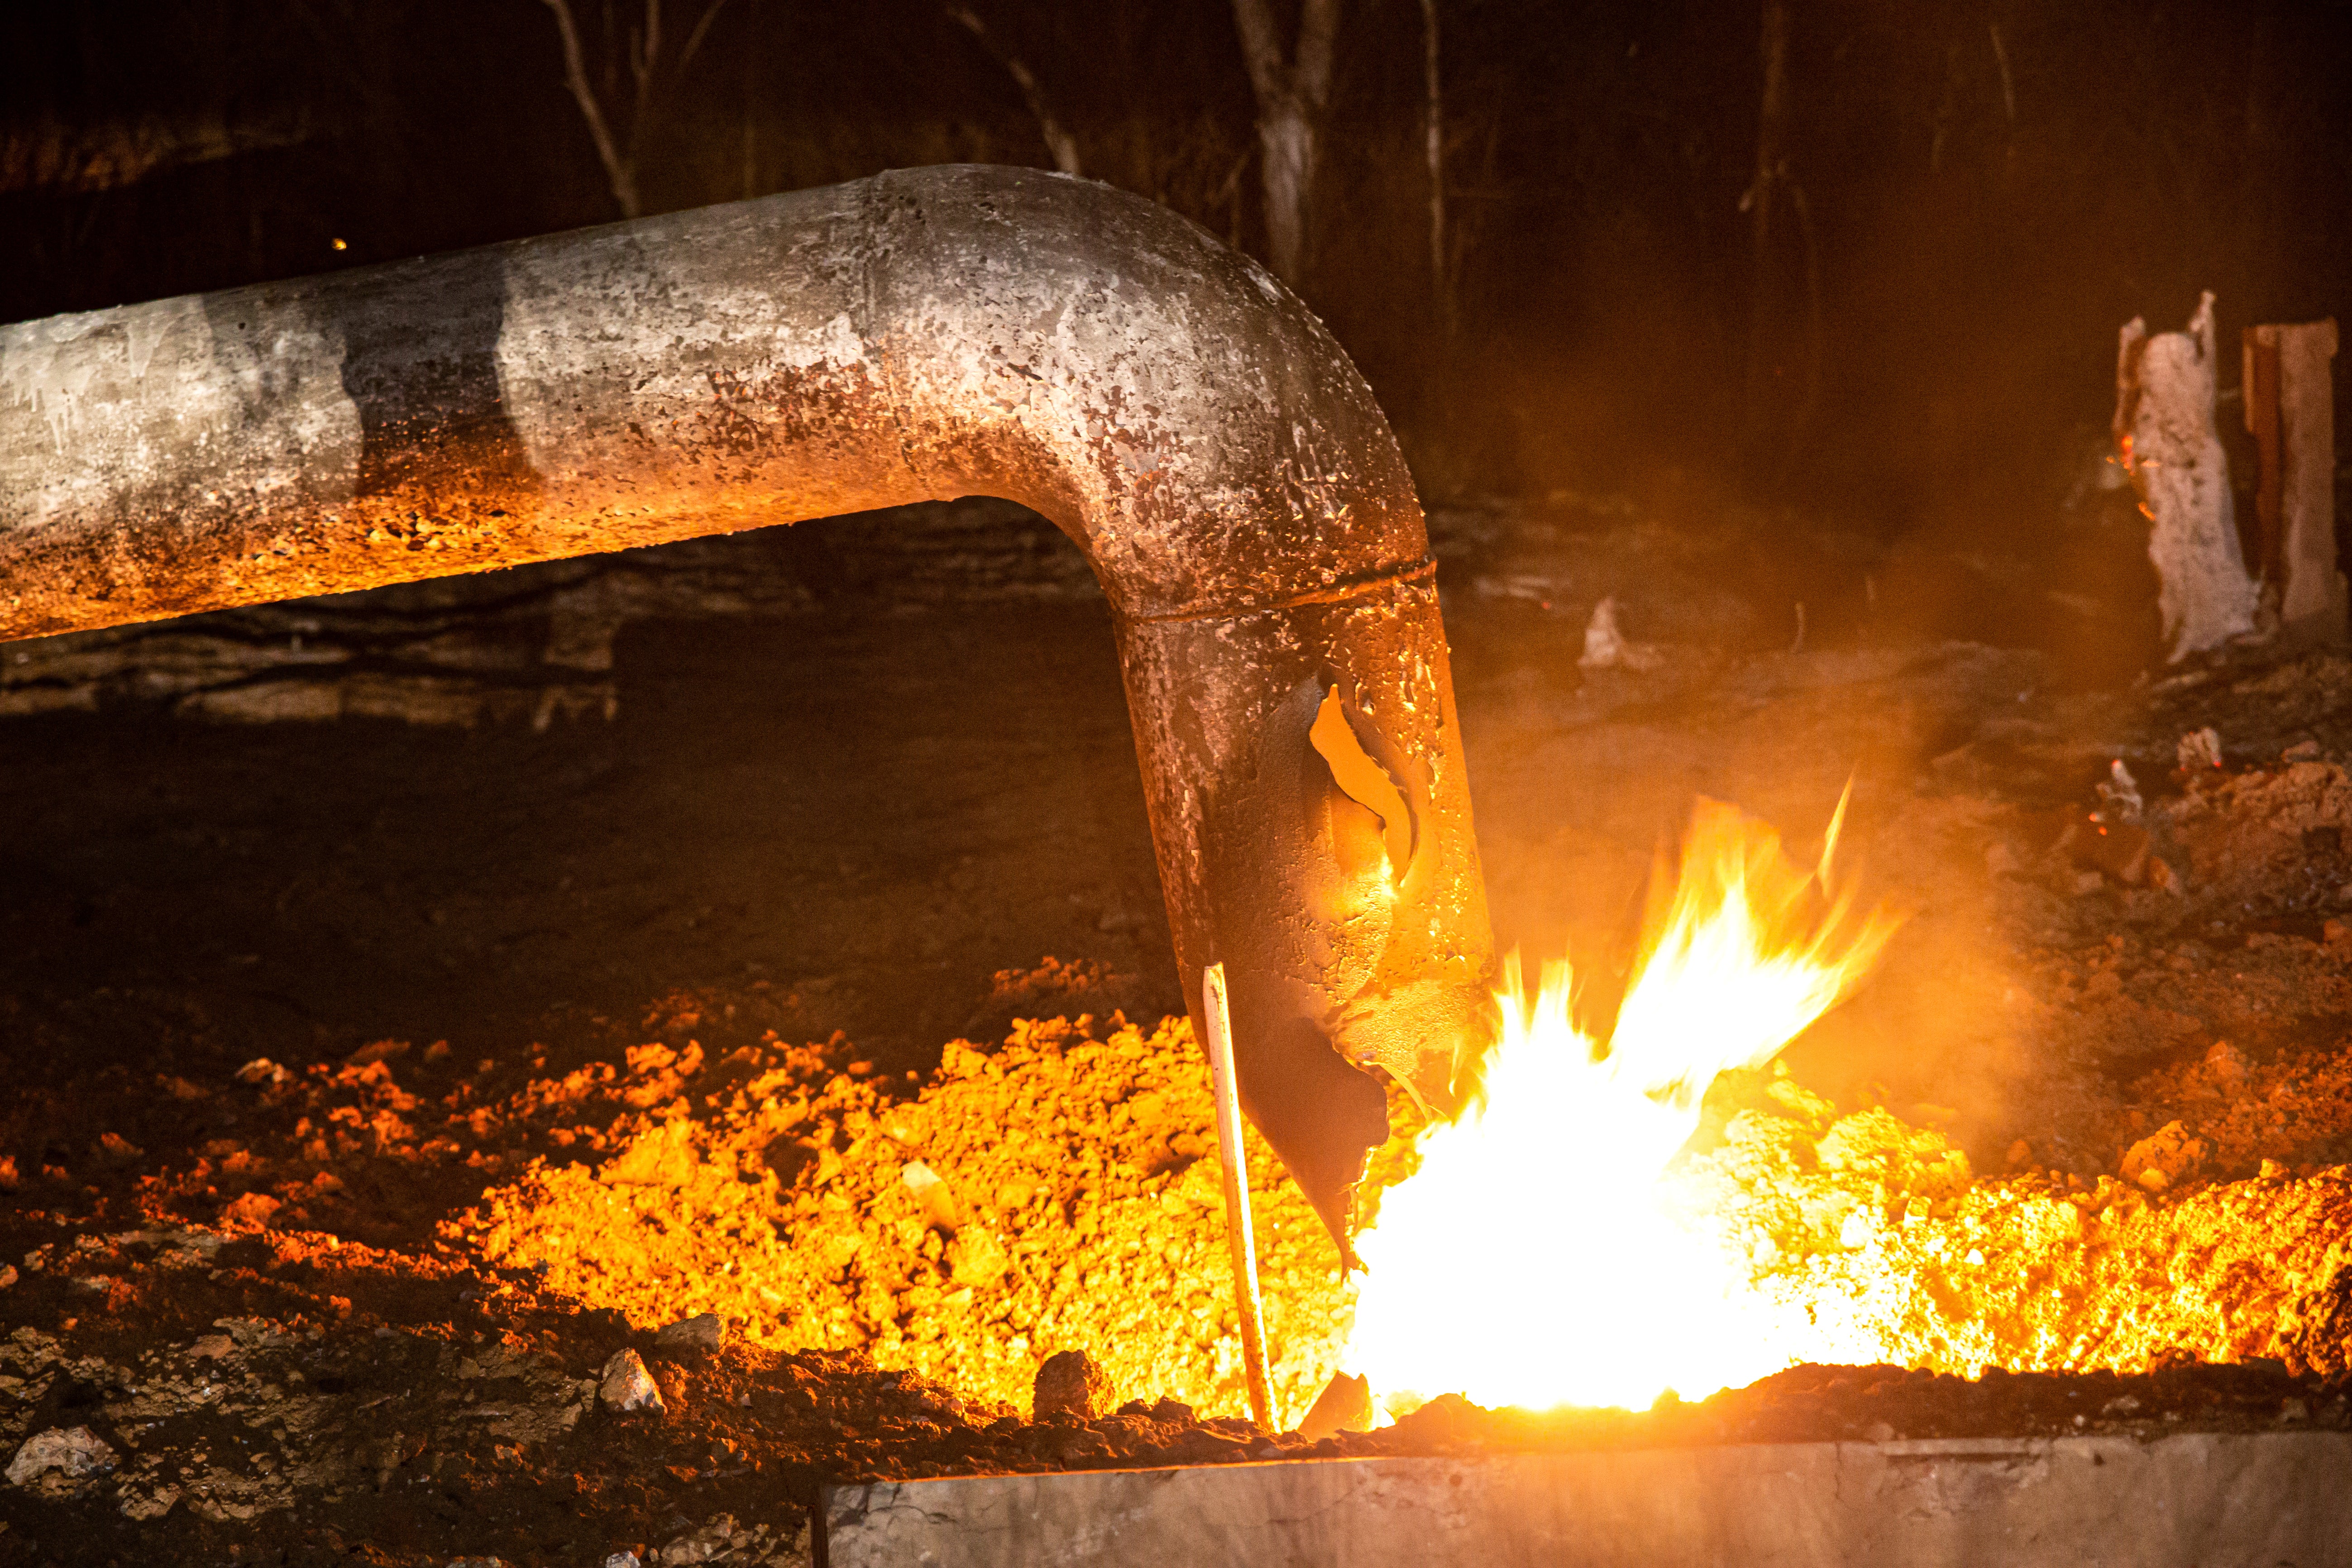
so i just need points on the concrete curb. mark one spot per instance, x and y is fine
(2278, 1499)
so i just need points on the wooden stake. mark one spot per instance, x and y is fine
(1234, 1159)
(2290, 410)
(2259, 395)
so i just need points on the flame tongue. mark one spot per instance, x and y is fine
(1533, 1259)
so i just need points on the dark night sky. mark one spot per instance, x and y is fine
(1976, 193)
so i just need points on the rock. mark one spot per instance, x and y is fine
(622, 1559)
(2118, 849)
(976, 1258)
(2119, 797)
(2198, 749)
(1071, 1384)
(1200, 1446)
(712, 1540)
(2164, 1158)
(628, 1385)
(140, 1505)
(261, 1069)
(75, 1453)
(1444, 1420)
(936, 1196)
(1344, 1405)
(703, 1332)
(254, 1211)
(8, 1275)
(1605, 648)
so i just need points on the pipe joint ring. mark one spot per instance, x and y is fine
(1362, 586)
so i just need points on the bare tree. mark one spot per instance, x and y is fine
(1294, 90)
(1772, 166)
(751, 101)
(1058, 140)
(1440, 282)
(618, 147)
(2008, 84)
(1773, 181)
(44, 153)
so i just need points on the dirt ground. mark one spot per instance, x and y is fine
(372, 1087)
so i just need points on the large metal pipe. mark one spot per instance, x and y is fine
(920, 335)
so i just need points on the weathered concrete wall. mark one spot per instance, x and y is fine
(2200, 1500)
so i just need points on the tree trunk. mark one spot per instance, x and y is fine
(752, 103)
(1293, 88)
(1058, 138)
(620, 167)
(618, 144)
(1286, 143)
(1441, 280)
(1782, 386)
(1770, 168)
(2291, 411)
(2164, 424)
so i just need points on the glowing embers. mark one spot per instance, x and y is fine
(1535, 1259)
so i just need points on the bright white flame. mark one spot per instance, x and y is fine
(1533, 1259)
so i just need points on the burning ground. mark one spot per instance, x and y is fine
(367, 1305)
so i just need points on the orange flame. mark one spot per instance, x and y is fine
(1535, 1258)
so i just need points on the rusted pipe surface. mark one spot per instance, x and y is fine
(920, 335)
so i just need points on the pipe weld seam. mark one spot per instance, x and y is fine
(1365, 587)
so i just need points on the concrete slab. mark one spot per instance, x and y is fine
(2197, 1500)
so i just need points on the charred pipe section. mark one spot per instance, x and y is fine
(921, 335)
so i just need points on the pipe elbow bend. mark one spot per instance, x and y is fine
(1194, 428)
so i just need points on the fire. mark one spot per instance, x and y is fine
(1538, 1257)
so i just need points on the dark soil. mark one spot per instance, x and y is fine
(840, 828)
